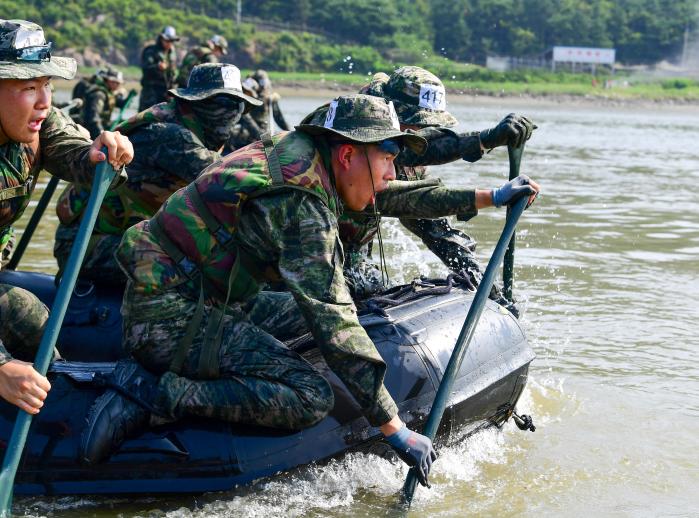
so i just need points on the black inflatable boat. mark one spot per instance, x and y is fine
(414, 329)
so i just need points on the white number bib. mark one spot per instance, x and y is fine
(433, 97)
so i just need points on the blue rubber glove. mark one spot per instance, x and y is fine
(415, 450)
(512, 191)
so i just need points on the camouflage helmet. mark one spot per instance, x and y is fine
(209, 79)
(111, 74)
(24, 53)
(419, 97)
(362, 119)
(169, 33)
(219, 41)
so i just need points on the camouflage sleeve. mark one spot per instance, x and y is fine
(454, 248)
(443, 146)
(278, 115)
(300, 231)
(65, 149)
(175, 150)
(247, 123)
(4, 355)
(426, 199)
(92, 113)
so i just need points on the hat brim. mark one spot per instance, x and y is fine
(412, 115)
(369, 135)
(64, 68)
(199, 94)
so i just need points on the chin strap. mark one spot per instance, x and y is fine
(385, 280)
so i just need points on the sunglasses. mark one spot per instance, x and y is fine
(33, 54)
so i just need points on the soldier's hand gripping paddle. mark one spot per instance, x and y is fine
(104, 175)
(467, 331)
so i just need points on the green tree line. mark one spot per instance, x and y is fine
(320, 35)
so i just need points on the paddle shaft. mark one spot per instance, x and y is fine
(464, 339)
(126, 104)
(104, 175)
(508, 266)
(33, 223)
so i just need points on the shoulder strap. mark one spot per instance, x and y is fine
(275, 168)
(224, 238)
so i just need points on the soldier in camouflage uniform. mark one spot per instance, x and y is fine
(208, 52)
(420, 101)
(104, 93)
(173, 143)
(270, 104)
(264, 213)
(159, 65)
(34, 136)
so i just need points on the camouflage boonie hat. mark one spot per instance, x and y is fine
(219, 41)
(209, 79)
(24, 53)
(419, 97)
(360, 118)
(112, 74)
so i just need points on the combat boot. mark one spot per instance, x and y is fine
(116, 416)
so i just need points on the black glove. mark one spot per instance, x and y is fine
(512, 191)
(513, 129)
(415, 450)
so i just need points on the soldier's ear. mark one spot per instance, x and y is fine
(344, 153)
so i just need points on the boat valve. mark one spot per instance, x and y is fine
(524, 422)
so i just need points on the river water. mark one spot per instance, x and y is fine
(607, 273)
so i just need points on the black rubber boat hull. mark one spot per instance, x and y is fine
(415, 339)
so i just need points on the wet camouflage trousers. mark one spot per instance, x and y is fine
(99, 263)
(22, 320)
(250, 378)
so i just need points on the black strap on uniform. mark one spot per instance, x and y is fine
(275, 168)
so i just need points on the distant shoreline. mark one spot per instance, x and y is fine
(325, 88)
(330, 88)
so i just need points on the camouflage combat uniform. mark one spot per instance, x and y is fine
(261, 117)
(406, 87)
(195, 56)
(170, 149)
(155, 82)
(242, 222)
(62, 151)
(98, 104)
(168, 154)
